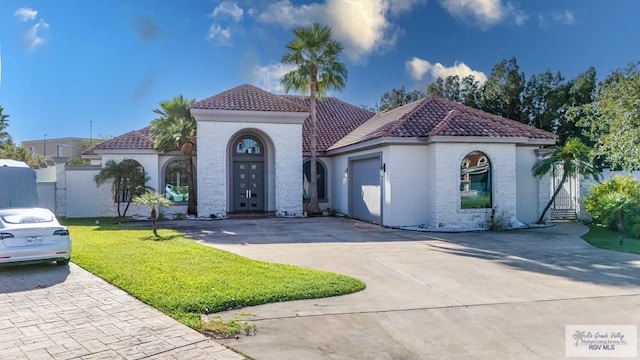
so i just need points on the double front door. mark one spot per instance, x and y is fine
(248, 186)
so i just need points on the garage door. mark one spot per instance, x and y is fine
(365, 193)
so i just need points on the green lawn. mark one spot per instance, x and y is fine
(604, 238)
(185, 279)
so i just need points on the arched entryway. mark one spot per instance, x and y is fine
(248, 180)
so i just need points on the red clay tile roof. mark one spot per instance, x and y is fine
(133, 140)
(248, 98)
(433, 116)
(336, 119)
(341, 124)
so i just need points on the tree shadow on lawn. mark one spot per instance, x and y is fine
(160, 238)
(549, 252)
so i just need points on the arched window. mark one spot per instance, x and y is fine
(475, 181)
(306, 180)
(248, 146)
(175, 181)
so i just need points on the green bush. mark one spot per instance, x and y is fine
(615, 203)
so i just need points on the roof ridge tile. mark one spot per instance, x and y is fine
(404, 117)
(443, 123)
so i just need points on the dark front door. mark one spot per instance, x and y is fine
(248, 186)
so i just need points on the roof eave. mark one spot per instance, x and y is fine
(521, 140)
(365, 145)
(368, 144)
(274, 117)
(125, 151)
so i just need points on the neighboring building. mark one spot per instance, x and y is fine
(431, 162)
(57, 149)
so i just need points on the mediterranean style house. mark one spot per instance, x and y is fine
(432, 162)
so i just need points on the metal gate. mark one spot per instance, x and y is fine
(566, 202)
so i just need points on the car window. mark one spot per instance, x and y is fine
(28, 218)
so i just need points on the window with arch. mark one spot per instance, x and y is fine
(248, 146)
(175, 181)
(306, 180)
(475, 181)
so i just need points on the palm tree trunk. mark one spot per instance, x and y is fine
(313, 207)
(553, 198)
(191, 206)
(126, 208)
(153, 222)
(117, 196)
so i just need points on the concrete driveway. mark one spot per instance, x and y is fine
(485, 295)
(64, 312)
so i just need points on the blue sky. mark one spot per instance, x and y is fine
(67, 63)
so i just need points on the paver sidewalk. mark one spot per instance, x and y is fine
(60, 312)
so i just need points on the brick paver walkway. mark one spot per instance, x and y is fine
(60, 312)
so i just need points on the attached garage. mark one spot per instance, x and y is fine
(365, 191)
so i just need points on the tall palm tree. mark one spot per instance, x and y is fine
(175, 129)
(573, 159)
(315, 55)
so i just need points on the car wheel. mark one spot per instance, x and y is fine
(63, 262)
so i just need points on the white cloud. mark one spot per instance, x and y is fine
(285, 13)
(25, 14)
(361, 26)
(397, 7)
(228, 9)
(484, 13)
(219, 35)
(418, 68)
(269, 77)
(33, 37)
(520, 17)
(564, 17)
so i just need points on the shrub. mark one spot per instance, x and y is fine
(498, 221)
(615, 203)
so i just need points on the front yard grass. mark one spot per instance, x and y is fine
(185, 279)
(600, 236)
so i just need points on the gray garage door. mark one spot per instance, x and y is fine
(365, 193)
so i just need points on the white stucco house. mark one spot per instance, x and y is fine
(431, 162)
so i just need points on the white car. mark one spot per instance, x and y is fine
(33, 234)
